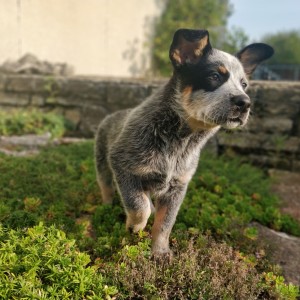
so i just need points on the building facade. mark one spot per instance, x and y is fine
(97, 37)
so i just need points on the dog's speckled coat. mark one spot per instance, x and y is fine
(152, 151)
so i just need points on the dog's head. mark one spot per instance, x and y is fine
(213, 83)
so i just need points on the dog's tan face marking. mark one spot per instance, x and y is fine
(222, 70)
(186, 93)
(191, 107)
(197, 125)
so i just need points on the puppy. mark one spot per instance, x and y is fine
(152, 151)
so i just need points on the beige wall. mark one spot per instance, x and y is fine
(97, 37)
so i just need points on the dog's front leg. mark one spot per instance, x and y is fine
(136, 201)
(167, 207)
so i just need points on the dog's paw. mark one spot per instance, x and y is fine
(136, 227)
(162, 253)
(137, 220)
(163, 257)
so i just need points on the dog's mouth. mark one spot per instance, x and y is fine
(233, 122)
(237, 120)
(230, 123)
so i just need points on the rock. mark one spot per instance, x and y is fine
(21, 153)
(270, 98)
(31, 144)
(284, 250)
(2, 82)
(16, 100)
(271, 125)
(125, 95)
(30, 64)
(272, 161)
(28, 140)
(91, 117)
(19, 84)
(262, 142)
(37, 100)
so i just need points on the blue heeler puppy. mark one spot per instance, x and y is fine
(151, 152)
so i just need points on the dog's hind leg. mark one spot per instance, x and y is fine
(105, 182)
(104, 175)
(106, 188)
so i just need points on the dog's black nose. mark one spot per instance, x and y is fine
(241, 101)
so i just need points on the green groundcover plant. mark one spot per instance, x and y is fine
(41, 263)
(215, 249)
(21, 122)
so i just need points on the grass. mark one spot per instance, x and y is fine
(215, 250)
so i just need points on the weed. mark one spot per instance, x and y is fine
(201, 269)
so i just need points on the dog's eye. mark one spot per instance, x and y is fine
(215, 77)
(244, 84)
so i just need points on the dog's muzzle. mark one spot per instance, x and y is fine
(240, 111)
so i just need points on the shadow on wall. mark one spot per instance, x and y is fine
(139, 52)
(138, 60)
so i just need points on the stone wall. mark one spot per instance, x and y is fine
(272, 138)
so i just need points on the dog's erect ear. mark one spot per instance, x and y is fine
(251, 56)
(189, 46)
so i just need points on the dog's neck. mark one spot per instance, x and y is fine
(175, 93)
